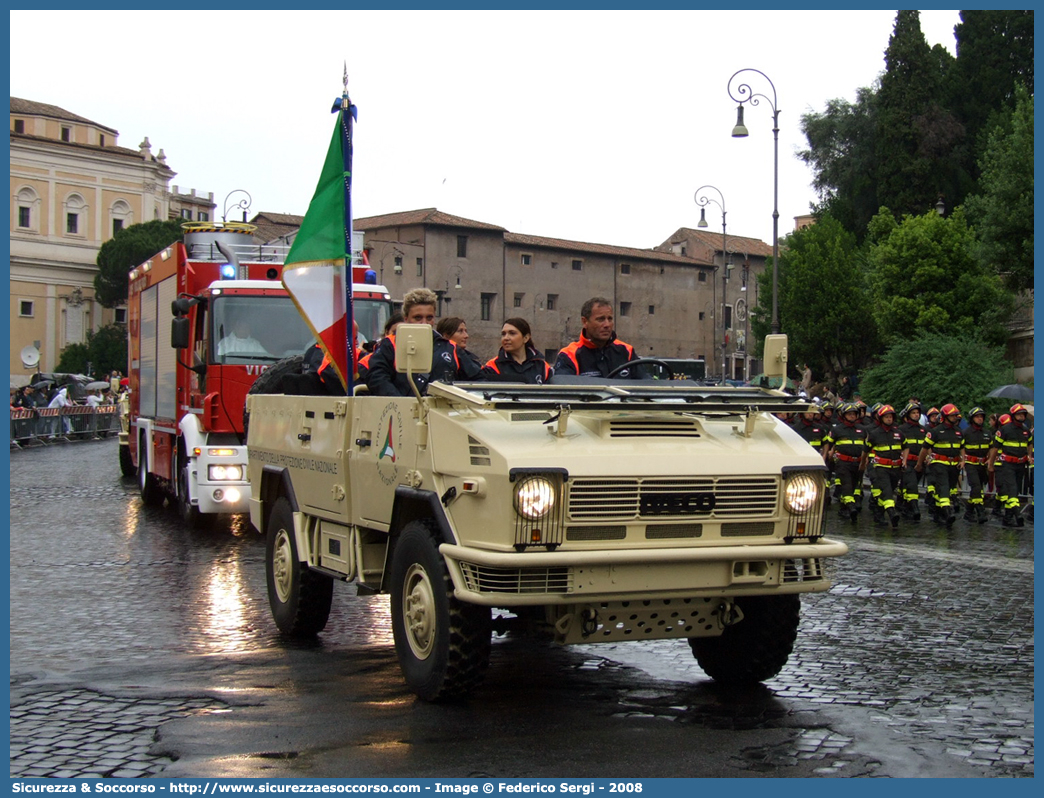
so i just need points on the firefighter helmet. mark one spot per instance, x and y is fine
(933, 411)
(1004, 419)
(950, 409)
(910, 407)
(1017, 408)
(976, 411)
(884, 410)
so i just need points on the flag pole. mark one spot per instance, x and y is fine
(348, 112)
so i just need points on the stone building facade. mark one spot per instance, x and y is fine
(72, 188)
(668, 299)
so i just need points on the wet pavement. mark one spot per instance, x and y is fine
(140, 647)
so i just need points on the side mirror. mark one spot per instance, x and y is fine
(413, 348)
(179, 332)
(775, 356)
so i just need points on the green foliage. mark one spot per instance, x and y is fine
(924, 277)
(130, 247)
(938, 368)
(105, 350)
(1003, 211)
(822, 300)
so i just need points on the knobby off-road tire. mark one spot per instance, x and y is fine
(270, 379)
(300, 598)
(757, 647)
(442, 643)
(152, 494)
(127, 462)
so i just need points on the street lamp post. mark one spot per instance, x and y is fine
(744, 94)
(703, 200)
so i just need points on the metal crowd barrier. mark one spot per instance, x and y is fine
(43, 425)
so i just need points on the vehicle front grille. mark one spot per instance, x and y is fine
(485, 579)
(810, 570)
(667, 498)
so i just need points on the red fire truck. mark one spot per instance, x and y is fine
(232, 319)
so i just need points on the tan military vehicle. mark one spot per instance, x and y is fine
(599, 510)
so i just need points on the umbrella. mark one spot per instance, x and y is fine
(1020, 393)
(97, 385)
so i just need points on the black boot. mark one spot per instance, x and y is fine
(980, 514)
(1009, 517)
(915, 512)
(1019, 520)
(879, 516)
(951, 515)
(893, 516)
(969, 512)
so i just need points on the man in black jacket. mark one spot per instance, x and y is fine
(597, 353)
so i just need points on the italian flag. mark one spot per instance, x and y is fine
(317, 271)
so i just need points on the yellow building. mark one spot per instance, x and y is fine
(72, 188)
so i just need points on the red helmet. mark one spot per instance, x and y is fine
(933, 411)
(1004, 419)
(1017, 408)
(950, 410)
(884, 410)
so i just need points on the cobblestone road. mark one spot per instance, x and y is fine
(131, 635)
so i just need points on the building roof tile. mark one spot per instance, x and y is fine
(32, 108)
(432, 216)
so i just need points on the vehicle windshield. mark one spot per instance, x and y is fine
(256, 329)
(264, 329)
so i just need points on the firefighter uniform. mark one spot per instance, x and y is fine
(1009, 458)
(847, 440)
(942, 451)
(976, 455)
(913, 440)
(884, 443)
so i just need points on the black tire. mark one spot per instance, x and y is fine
(756, 648)
(148, 486)
(270, 380)
(299, 597)
(126, 462)
(187, 511)
(442, 643)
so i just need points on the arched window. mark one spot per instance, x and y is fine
(75, 220)
(26, 207)
(121, 215)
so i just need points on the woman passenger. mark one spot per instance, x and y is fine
(518, 359)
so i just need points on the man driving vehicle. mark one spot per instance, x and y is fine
(240, 341)
(598, 352)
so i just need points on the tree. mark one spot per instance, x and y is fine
(130, 247)
(939, 368)
(994, 54)
(822, 306)
(843, 160)
(924, 277)
(918, 140)
(105, 350)
(1003, 211)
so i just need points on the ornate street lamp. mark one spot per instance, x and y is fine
(744, 94)
(703, 200)
(243, 204)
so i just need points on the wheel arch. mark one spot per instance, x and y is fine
(275, 482)
(412, 504)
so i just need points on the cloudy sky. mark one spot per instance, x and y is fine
(588, 125)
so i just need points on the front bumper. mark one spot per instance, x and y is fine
(507, 579)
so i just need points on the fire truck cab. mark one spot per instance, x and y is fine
(232, 319)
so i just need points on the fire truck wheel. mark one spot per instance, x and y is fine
(300, 598)
(151, 493)
(269, 381)
(126, 462)
(188, 511)
(757, 647)
(442, 643)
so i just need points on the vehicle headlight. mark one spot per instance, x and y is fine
(802, 493)
(220, 473)
(534, 497)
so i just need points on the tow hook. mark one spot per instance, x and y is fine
(729, 614)
(588, 622)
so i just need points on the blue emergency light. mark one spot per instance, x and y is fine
(370, 277)
(228, 271)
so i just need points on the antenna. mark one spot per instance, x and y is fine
(30, 356)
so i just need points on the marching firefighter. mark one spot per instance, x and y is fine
(976, 455)
(943, 452)
(885, 443)
(934, 420)
(811, 428)
(1009, 457)
(913, 439)
(847, 440)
